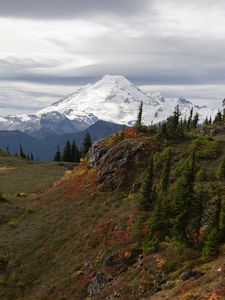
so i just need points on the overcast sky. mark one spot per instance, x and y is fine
(50, 47)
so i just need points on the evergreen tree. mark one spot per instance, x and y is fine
(195, 120)
(158, 222)
(139, 116)
(75, 153)
(189, 123)
(67, 152)
(22, 154)
(166, 172)
(218, 117)
(183, 199)
(57, 155)
(87, 143)
(213, 234)
(148, 192)
(196, 221)
(211, 246)
(7, 150)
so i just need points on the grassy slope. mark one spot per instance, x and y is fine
(73, 226)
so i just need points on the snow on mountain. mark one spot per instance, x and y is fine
(113, 99)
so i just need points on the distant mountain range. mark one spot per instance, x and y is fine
(113, 99)
(44, 149)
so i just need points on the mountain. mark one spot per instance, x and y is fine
(111, 99)
(44, 149)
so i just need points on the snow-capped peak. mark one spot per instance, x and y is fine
(113, 98)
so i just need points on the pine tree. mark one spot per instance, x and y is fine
(22, 154)
(139, 116)
(213, 234)
(148, 193)
(211, 246)
(189, 123)
(158, 222)
(166, 172)
(183, 199)
(197, 211)
(7, 150)
(87, 143)
(195, 120)
(57, 155)
(31, 156)
(218, 117)
(75, 153)
(67, 152)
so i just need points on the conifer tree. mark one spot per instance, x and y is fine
(67, 152)
(195, 120)
(212, 234)
(183, 199)
(75, 153)
(158, 222)
(31, 156)
(57, 155)
(87, 143)
(189, 123)
(166, 172)
(197, 212)
(211, 246)
(139, 116)
(148, 193)
(22, 154)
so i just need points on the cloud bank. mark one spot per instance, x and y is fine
(63, 44)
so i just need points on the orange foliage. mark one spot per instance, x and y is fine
(216, 294)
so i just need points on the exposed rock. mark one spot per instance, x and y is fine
(112, 162)
(79, 273)
(97, 283)
(190, 274)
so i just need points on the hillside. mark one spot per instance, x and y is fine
(86, 237)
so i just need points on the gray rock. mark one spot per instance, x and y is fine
(97, 283)
(190, 274)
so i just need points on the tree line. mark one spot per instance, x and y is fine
(71, 152)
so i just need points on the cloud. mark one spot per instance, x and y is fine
(152, 42)
(65, 9)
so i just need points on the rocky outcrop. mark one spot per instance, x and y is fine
(113, 162)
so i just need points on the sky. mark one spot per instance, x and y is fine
(48, 48)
